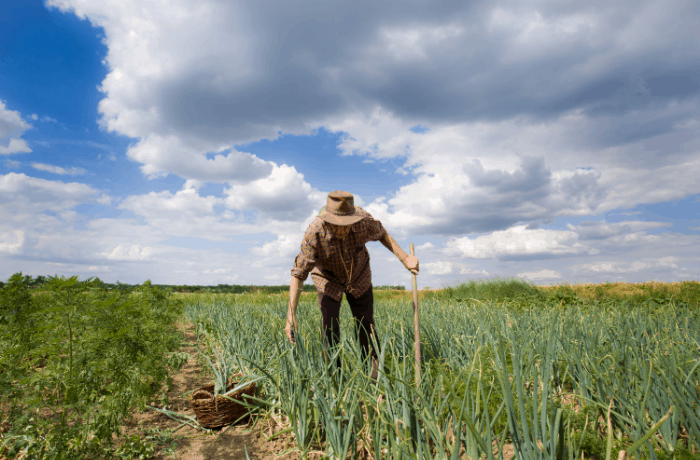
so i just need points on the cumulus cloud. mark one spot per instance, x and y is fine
(518, 243)
(627, 267)
(439, 268)
(521, 243)
(283, 195)
(286, 246)
(528, 113)
(22, 196)
(170, 154)
(468, 271)
(130, 248)
(73, 171)
(275, 259)
(540, 275)
(264, 206)
(11, 128)
(15, 146)
(134, 252)
(186, 203)
(586, 77)
(468, 180)
(11, 241)
(446, 268)
(604, 230)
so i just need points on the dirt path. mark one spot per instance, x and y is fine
(192, 444)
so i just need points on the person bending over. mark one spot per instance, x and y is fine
(333, 251)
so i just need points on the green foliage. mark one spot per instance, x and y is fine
(90, 355)
(519, 293)
(135, 448)
(503, 362)
(38, 284)
(496, 290)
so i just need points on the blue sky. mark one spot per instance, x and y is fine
(194, 144)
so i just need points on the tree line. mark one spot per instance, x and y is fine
(38, 282)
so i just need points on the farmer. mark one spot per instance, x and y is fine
(333, 251)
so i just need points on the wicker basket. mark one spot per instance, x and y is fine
(215, 412)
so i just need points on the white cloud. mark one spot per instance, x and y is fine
(467, 271)
(219, 271)
(604, 230)
(23, 197)
(13, 164)
(188, 213)
(15, 146)
(283, 195)
(131, 251)
(438, 268)
(98, 268)
(134, 252)
(446, 268)
(627, 267)
(516, 100)
(540, 275)
(11, 128)
(533, 113)
(101, 199)
(185, 203)
(170, 154)
(480, 177)
(73, 171)
(11, 241)
(518, 241)
(285, 247)
(586, 240)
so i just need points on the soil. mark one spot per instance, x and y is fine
(188, 443)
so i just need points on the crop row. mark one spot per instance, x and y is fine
(537, 380)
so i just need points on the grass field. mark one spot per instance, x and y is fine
(509, 369)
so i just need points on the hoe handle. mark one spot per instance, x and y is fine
(416, 326)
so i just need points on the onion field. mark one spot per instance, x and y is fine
(508, 371)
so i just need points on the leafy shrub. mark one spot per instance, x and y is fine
(89, 355)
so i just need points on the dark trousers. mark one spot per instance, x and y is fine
(362, 308)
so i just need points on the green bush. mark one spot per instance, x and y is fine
(89, 355)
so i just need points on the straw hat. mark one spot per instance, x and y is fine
(340, 209)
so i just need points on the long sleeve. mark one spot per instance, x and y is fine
(306, 260)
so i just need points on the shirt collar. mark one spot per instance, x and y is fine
(327, 233)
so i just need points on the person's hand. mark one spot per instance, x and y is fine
(411, 264)
(289, 329)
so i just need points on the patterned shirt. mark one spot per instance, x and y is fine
(330, 260)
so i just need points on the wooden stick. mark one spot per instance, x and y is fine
(416, 326)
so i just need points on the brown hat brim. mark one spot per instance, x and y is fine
(339, 220)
